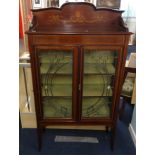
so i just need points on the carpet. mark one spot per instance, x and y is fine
(123, 143)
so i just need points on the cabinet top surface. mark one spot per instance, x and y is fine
(77, 18)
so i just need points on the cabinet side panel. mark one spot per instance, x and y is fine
(34, 77)
(121, 75)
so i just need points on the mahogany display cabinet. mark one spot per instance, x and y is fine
(78, 54)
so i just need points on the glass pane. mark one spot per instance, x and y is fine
(96, 107)
(97, 85)
(98, 82)
(56, 83)
(57, 107)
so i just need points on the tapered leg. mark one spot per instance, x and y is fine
(113, 132)
(39, 131)
(121, 110)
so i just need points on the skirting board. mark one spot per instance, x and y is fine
(132, 133)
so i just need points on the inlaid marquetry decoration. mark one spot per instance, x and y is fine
(54, 18)
(77, 17)
(82, 17)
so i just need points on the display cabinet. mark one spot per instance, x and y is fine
(77, 55)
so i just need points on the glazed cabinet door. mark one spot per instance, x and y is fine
(57, 73)
(99, 79)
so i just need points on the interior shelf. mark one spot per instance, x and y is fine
(88, 69)
(99, 55)
(99, 69)
(55, 57)
(57, 90)
(56, 79)
(97, 90)
(56, 69)
(106, 59)
(97, 79)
